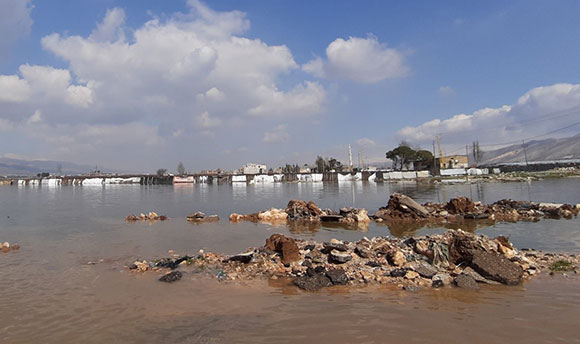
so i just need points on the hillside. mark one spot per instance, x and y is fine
(18, 167)
(538, 150)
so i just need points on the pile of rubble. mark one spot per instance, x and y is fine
(302, 211)
(404, 208)
(7, 247)
(199, 217)
(456, 258)
(151, 216)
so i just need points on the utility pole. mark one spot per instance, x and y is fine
(467, 156)
(350, 157)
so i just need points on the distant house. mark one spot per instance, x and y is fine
(251, 168)
(305, 169)
(451, 162)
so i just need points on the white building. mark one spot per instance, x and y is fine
(254, 169)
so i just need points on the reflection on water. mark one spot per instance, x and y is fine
(50, 294)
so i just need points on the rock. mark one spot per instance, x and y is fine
(425, 270)
(141, 266)
(373, 264)
(437, 284)
(6, 245)
(171, 277)
(337, 276)
(273, 214)
(411, 275)
(477, 277)
(314, 280)
(331, 218)
(446, 279)
(410, 288)
(496, 267)
(297, 209)
(338, 257)
(466, 282)
(460, 205)
(406, 204)
(362, 251)
(200, 217)
(242, 257)
(396, 258)
(286, 247)
(398, 273)
(334, 245)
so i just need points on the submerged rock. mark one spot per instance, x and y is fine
(199, 217)
(171, 277)
(465, 281)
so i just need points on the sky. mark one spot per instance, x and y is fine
(143, 84)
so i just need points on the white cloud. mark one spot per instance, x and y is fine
(365, 142)
(110, 29)
(446, 91)
(363, 60)
(35, 118)
(167, 77)
(206, 121)
(538, 111)
(277, 135)
(15, 21)
(13, 89)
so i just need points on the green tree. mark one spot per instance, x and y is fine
(401, 156)
(180, 169)
(334, 164)
(161, 172)
(320, 164)
(424, 159)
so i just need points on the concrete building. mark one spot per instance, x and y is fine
(451, 162)
(251, 168)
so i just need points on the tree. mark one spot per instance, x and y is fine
(180, 169)
(401, 156)
(320, 164)
(424, 159)
(161, 172)
(334, 164)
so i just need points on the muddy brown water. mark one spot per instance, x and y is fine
(49, 293)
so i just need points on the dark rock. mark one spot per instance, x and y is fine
(337, 276)
(496, 267)
(314, 279)
(329, 246)
(437, 283)
(330, 218)
(398, 273)
(132, 267)
(425, 270)
(242, 257)
(297, 209)
(171, 277)
(373, 264)
(362, 251)
(166, 263)
(337, 257)
(309, 247)
(307, 263)
(465, 281)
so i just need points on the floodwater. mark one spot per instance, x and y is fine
(50, 294)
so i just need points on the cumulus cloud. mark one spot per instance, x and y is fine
(538, 111)
(191, 71)
(277, 135)
(365, 142)
(363, 60)
(15, 21)
(446, 91)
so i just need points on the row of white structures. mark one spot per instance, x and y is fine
(264, 178)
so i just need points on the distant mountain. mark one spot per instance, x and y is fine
(18, 167)
(539, 150)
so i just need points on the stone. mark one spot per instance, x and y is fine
(496, 267)
(338, 257)
(373, 264)
(460, 205)
(411, 288)
(362, 251)
(437, 284)
(425, 269)
(242, 257)
(396, 258)
(445, 278)
(312, 282)
(273, 214)
(478, 278)
(141, 266)
(171, 277)
(337, 276)
(465, 281)
(286, 247)
(410, 274)
(398, 273)
(334, 245)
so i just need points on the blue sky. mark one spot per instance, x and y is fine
(137, 85)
